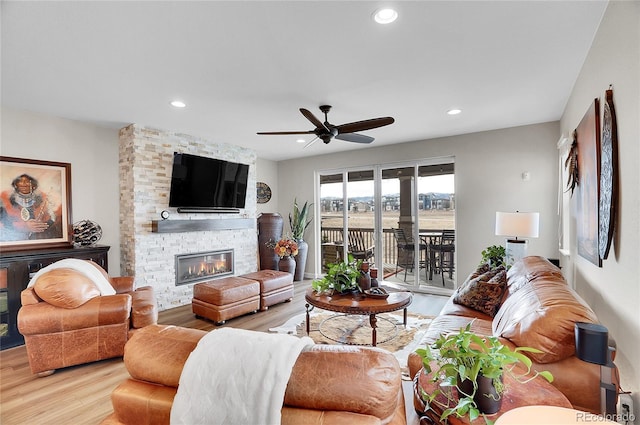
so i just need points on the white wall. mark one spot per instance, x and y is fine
(614, 290)
(267, 172)
(92, 152)
(488, 168)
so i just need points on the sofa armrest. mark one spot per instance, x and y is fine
(144, 309)
(122, 284)
(29, 297)
(157, 353)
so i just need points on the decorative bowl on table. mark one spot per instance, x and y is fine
(376, 293)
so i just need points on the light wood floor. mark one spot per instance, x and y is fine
(81, 394)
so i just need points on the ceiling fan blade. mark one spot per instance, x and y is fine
(356, 138)
(311, 142)
(281, 133)
(315, 121)
(353, 127)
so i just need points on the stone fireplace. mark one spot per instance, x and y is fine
(146, 159)
(194, 268)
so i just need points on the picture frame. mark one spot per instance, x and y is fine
(587, 217)
(35, 204)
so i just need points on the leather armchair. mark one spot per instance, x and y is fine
(66, 321)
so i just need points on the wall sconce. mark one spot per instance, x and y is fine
(592, 345)
(517, 225)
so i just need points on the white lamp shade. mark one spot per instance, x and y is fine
(518, 224)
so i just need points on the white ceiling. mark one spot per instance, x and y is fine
(244, 67)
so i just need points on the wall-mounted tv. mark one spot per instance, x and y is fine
(207, 183)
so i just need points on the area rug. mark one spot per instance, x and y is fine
(331, 328)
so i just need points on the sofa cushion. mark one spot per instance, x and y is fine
(531, 268)
(483, 293)
(65, 288)
(542, 314)
(481, 270)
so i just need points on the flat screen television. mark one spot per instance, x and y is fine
(198, 182)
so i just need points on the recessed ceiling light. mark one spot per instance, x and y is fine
(301, 141)
(385, 16)
(454, 111)
(178, 104)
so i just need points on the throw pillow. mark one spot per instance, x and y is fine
(65, 288)
(481, 270)
(483, 293)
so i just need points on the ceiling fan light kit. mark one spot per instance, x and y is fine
(326, 131)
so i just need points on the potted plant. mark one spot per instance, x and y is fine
(298, 222)
(286, 248)
(474, 365)
(494, 255)
(341, 277)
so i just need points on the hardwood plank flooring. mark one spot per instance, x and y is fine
(81, 394)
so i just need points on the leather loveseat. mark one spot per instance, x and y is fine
(537, 309)
(66, 321)
(329, 384)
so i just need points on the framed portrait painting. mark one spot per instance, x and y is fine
(587, 223)
(35, 204)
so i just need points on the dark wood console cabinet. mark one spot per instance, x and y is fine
(17, 267)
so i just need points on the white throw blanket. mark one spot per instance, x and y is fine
(236, 377)
(81, 266)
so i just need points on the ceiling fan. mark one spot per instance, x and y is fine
(326, 131)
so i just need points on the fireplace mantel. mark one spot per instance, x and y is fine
(178, 226)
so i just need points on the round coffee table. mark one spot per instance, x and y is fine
(359, 304)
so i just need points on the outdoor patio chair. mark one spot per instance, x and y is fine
(441, 253)
(358, 246)
(406, 249)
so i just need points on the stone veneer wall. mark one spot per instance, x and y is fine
(146, 157)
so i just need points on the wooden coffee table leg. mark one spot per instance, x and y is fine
(373, 321)
(309, 308)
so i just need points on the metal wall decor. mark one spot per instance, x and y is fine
(608, 175)
(263, 192)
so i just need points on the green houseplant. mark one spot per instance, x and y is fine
(462, 360)
(494, 255)
(298, 220)
(340, 277)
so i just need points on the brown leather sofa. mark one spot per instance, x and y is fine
(76, 324)
(537, 310)
(329, 384)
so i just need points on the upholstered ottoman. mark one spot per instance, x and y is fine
(275, 286)
(226, 298)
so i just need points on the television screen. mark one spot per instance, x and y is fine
(199, 182)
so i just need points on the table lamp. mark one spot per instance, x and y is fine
(592, 345)
(517, 225)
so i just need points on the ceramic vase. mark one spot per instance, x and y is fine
(301, 260)
(269, 230)
(486, 397)
(287, 264)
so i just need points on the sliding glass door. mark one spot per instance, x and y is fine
(394, 217)
(347, 211)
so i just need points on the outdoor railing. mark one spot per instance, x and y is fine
(333, 236)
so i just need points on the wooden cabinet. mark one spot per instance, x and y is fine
(16, 268)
